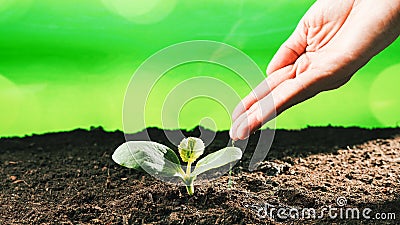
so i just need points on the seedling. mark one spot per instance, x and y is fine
(159, 160)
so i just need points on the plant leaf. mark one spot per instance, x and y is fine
(154, 158)
(217, 159)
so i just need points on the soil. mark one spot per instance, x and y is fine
(69, 178)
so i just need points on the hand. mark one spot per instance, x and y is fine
(333, 40)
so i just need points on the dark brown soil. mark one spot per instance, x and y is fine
(69, 178)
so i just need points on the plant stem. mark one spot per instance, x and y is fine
(230, 176)
(188, 169)
(190, 187)
(189, 180)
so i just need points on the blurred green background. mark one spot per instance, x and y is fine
(66, 64)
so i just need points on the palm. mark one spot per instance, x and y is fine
(309, 49)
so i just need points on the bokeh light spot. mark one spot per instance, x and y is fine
(385, 96)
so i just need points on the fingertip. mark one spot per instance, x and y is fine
(243, 133)
(231, 134)
(233, 131)
(242, 129)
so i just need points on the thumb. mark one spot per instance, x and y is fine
(290, 50)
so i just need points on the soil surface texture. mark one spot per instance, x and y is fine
(70, 178)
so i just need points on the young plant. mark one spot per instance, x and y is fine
(159, 160)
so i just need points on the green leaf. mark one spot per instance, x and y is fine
(217, 159)
(154, 158)
(190, 149)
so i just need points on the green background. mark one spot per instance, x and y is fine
(66, 64)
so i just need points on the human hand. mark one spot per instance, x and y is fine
(332, 41)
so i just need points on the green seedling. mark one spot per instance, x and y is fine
(159, 160)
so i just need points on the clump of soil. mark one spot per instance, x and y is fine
(69, 178)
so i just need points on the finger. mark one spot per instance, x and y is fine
(287, 94)
(249, 120)
(255, 95)
(290, 50)
(263, 89)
